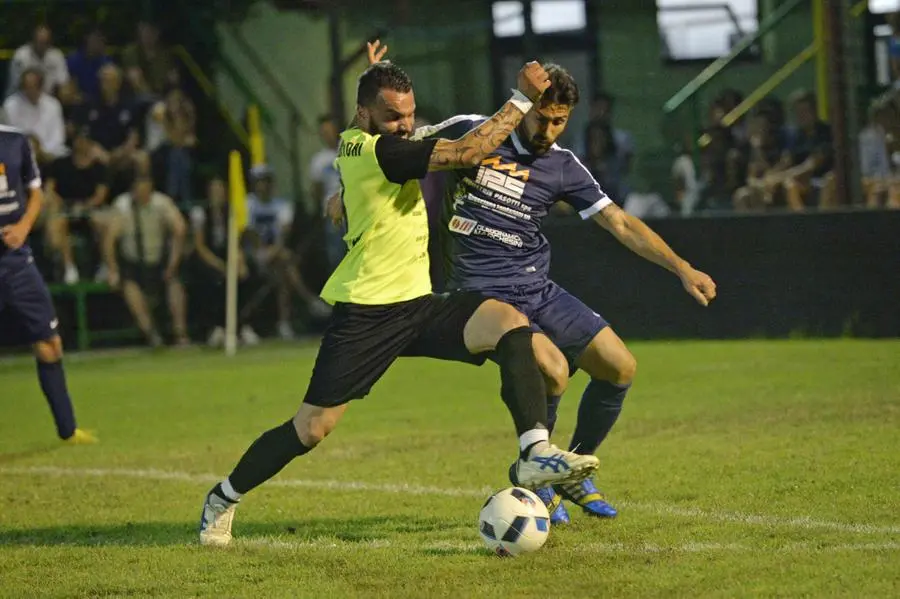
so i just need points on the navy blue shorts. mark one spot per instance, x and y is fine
(26, 309)
(552, 310)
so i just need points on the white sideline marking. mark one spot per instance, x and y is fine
(611, 548)
(804, 522)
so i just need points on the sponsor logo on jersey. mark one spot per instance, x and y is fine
(458, 224)
(491, 180)
(514, 168)
(498, 235)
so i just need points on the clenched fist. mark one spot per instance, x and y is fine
(533, 81)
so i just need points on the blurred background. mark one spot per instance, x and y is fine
(761, 138)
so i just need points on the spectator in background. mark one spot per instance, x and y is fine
(601, 115)
(72, 103)
(721, 169)
(684, 178)
(39, 115)
(112, 125)
(86, 62)
(39, 54)
(76, 192)
(151, 233)
(808, 158)
(270, 220)
(173, 153)
(728, 100)
(148, 63)
(210, 227)
(893, 20)
(765, 154)
(881, 186)
(606, 162)
(326, 183)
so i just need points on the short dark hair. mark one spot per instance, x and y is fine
(563, 89)
(379, 76)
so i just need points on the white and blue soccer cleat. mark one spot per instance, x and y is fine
(586, 495)
(547, 464)
(215, 520)
(555, 505)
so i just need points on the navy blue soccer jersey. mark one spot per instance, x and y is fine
(19, 174)
(491, 221)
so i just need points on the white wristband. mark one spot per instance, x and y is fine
(521, 101)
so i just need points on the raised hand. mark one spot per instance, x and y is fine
(533, 81)
(376, 51)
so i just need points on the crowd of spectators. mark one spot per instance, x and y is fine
(114, 134)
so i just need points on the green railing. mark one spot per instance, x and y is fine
(690, 91)
(83, 334)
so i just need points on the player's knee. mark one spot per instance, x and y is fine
(49, 351)
(626, 370)
(311, 429)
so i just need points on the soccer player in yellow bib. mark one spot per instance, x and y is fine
(384, 307)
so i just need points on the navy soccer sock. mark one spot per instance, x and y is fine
(552, 408)
(598, 411)
(53, 384)
(266, 457)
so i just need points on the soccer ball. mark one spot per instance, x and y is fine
(514, 521)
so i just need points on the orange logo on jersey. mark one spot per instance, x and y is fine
(494, 163)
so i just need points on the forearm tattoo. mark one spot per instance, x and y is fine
(473, 147)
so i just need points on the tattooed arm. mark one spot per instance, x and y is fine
(473, 147)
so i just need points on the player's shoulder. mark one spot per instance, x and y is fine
(566, 157)
(9, 132)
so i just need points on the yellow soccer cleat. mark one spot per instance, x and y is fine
(81, 437)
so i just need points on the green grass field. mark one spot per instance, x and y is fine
(741, 469)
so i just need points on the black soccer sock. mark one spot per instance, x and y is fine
(265, 458)
(53, 384)
(600, 406)
(522, 385)
(552, 408)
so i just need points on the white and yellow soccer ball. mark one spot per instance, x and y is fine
(514, 521)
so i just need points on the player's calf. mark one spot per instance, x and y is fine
(265, 458)
(52, 378)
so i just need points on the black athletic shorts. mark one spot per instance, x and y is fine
(362, 342)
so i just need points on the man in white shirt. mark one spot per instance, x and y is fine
(150, 233)
(326, 183)
(42, 55)
(39, 115)
(269, 223)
